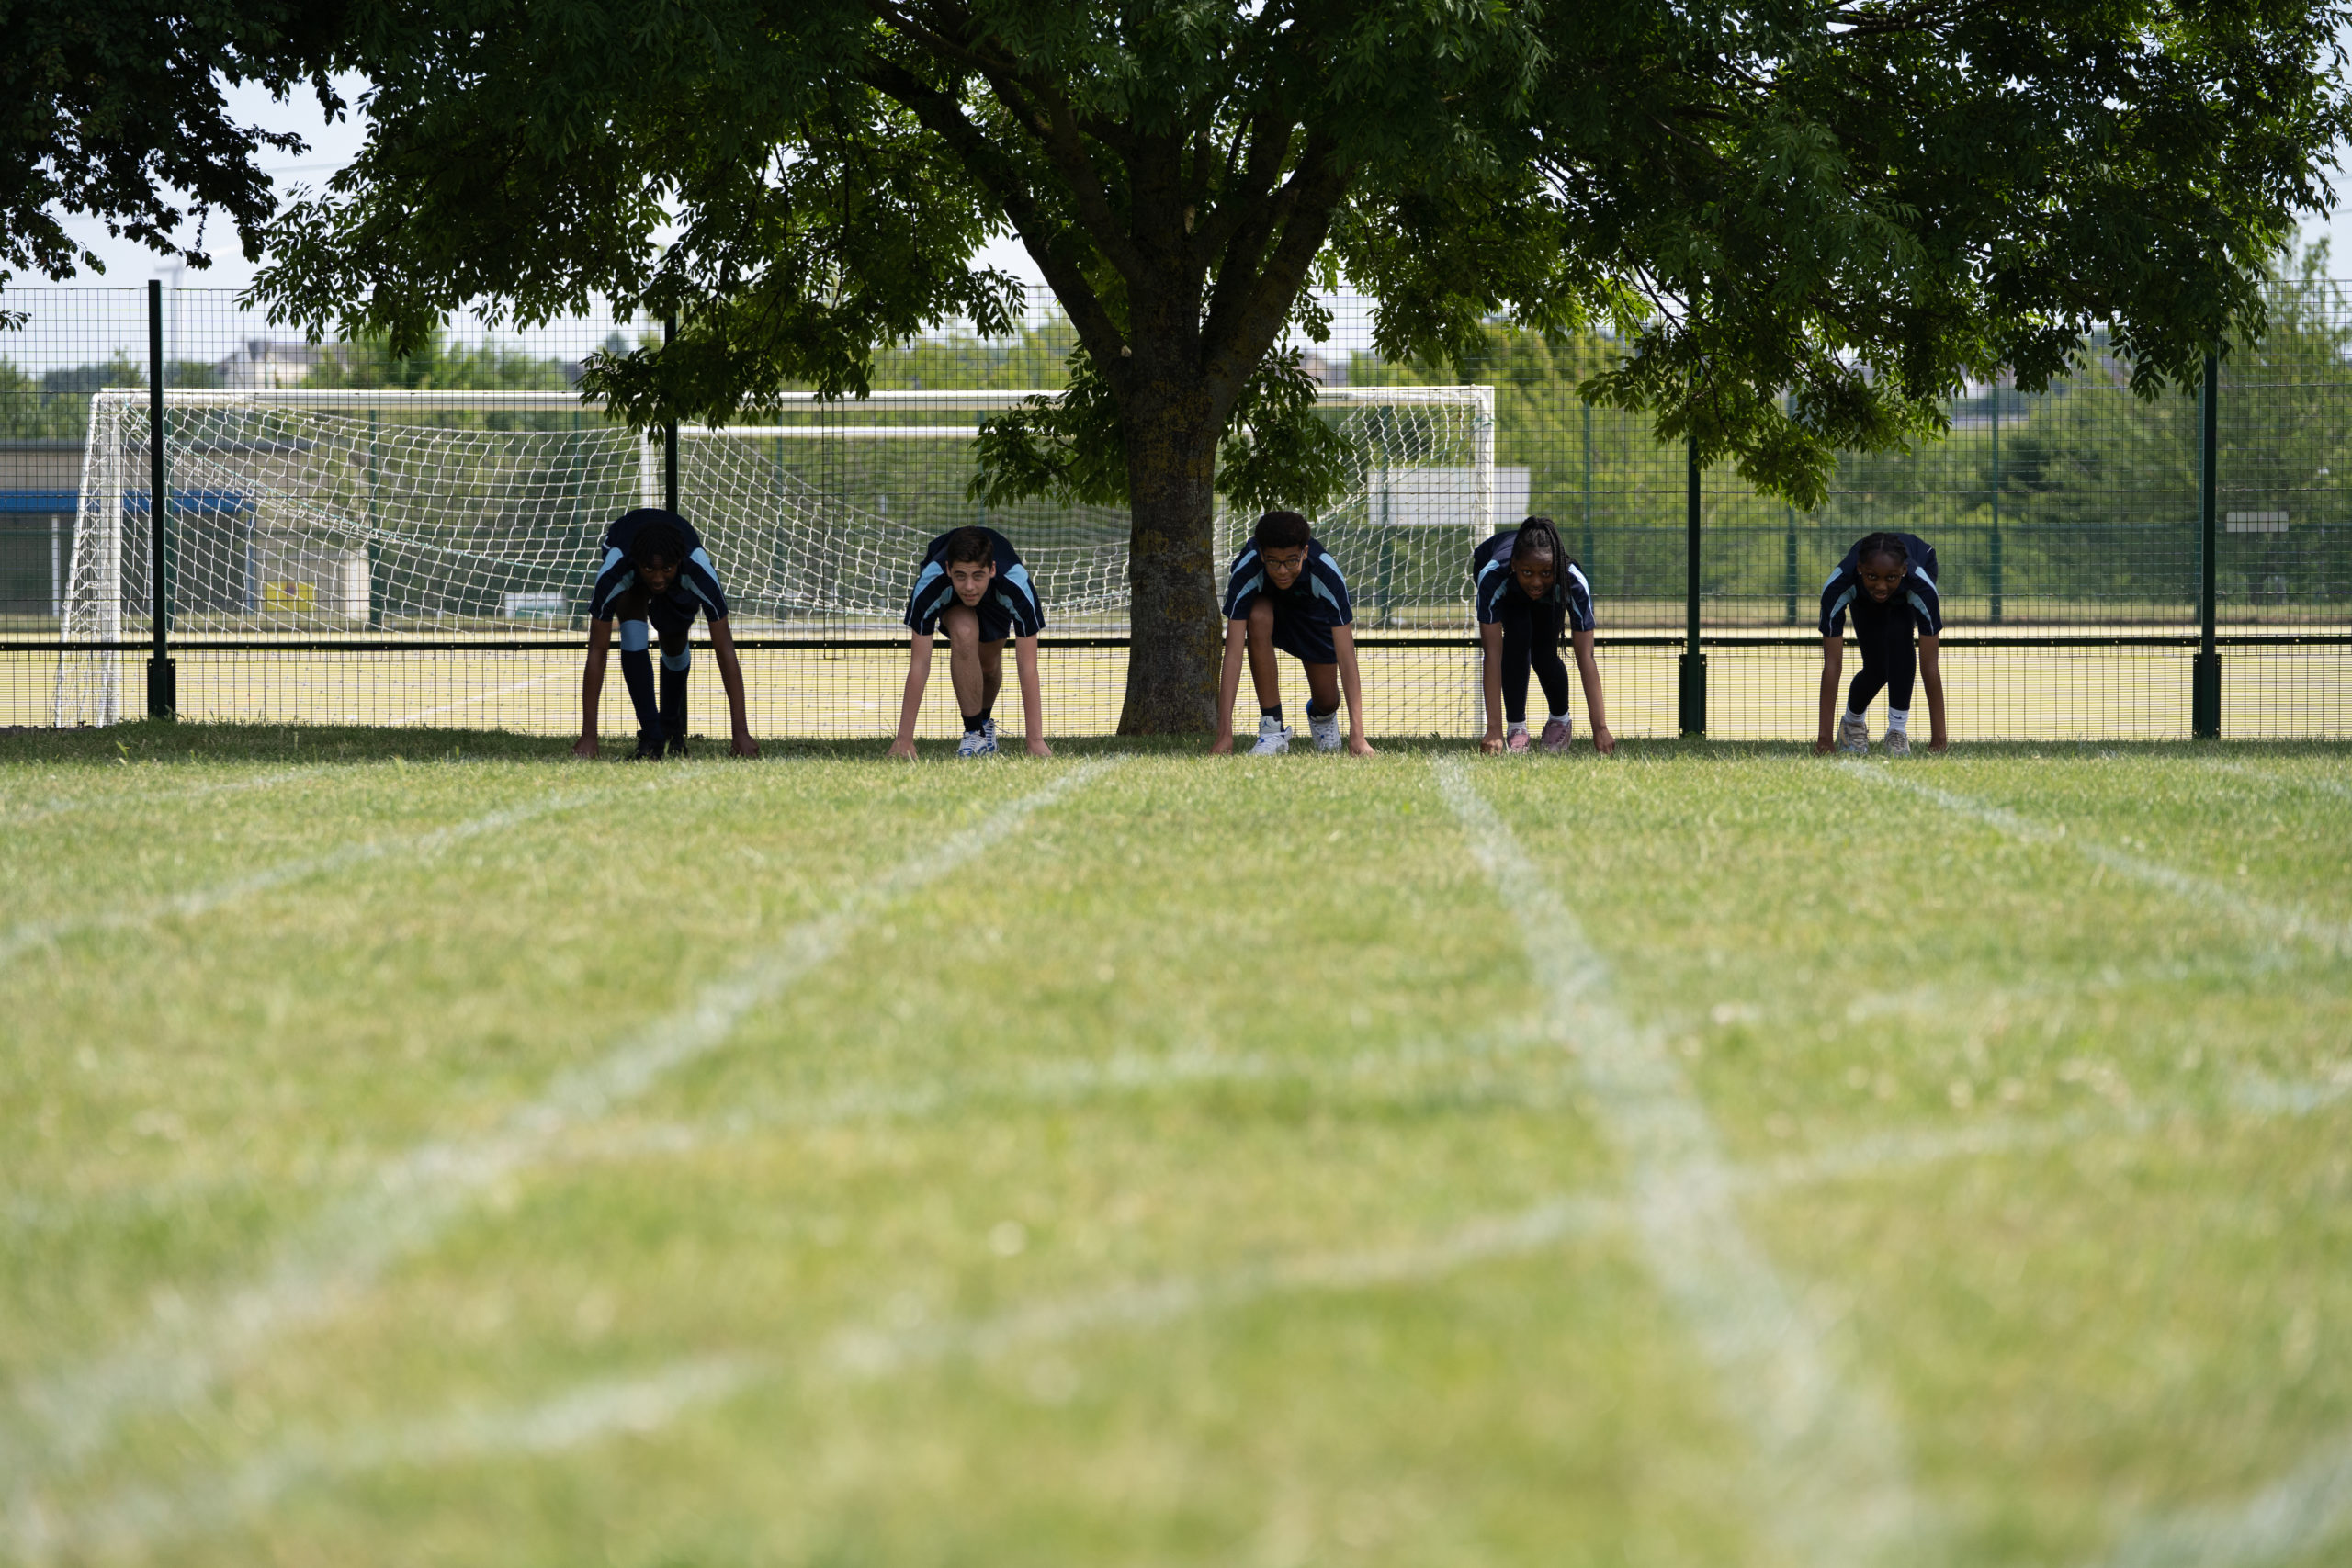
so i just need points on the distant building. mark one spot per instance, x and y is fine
(1331, 371)
(264, 362)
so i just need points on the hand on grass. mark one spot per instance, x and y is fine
(1823, 745)
(1221, 746)
(1938, 744)
(1358, 746)
(1491, 744)
(1603, 741)
(585, 748)
(1037, 747)
(743, 745)
(903, 748)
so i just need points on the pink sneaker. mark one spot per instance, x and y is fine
(1556, 735)
(1516, 742)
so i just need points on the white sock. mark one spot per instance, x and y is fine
(1854, 718)
(1517, 726)
(1559, 718)
(1899, 721)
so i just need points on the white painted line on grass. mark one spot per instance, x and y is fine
(1123, 1072)
(2320, 782)
(480, 697)
(2268, 1097)
(409, 1200)
(26, 935)
(2280, 923)
(141, 799)
(203, 900)
(868, 1352)
(1832, 1458)
(2288, 1520)
(584, 1414)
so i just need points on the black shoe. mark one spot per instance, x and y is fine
(677, 746)
(649, 749)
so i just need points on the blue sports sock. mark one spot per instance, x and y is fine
(673, 690)
(636, 670)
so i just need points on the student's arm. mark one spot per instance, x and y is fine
(1032, 701)
(1833, 661)
(1931, 675)
(1229, 684)
(1343, 643)
(591, 687)
(917, 677)
(1596, 706)
(730, 676)
(1490, 638)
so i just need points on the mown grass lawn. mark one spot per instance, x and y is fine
(420, 1149)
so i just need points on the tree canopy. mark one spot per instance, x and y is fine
(115, 110)
(1808, 221)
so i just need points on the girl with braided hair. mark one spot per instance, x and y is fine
(1888, 583)
(1529, 593)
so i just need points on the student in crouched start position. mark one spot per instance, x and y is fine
(1529, 593)
(972, 582)
(655, 579)
(1888, 583)
(1285, 593)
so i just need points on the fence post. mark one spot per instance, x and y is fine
(374, 538)
(1587, 485)
(1694, 662)
(1992, 551)
(163, 696)
(1789, 568)
(2205, 702)
(670, 431)
(1789, 544)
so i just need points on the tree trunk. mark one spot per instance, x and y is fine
(1177, 636)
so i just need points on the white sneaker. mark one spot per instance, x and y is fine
(988, 727)
(1853, 734)
(1326, 730)
(1273, 737)
(1898, 743)
(976, 743)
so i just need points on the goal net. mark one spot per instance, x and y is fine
(341, 521)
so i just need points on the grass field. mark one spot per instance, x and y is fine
(422, 1151)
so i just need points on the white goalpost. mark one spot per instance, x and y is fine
(429, 518)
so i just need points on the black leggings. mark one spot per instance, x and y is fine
(1888, 662)
(1532, 638)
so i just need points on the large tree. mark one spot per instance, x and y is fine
(1808, 221)
(116, 110)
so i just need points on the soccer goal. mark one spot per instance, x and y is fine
(348, 520)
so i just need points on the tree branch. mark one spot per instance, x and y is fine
(944, 118)
(1247, 312)
(1058, 127)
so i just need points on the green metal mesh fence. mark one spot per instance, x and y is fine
(2067, 526)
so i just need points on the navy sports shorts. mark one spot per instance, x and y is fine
(671, 615)
(1303, 635)
(996, 621)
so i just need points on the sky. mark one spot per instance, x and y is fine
(332, 144)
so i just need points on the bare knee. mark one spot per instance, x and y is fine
(1261, 622)
(962, 625)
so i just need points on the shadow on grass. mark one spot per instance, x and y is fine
(149, 741)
